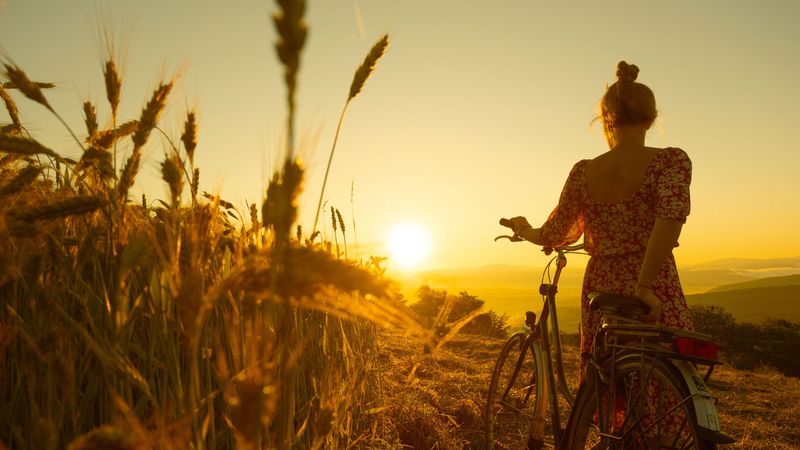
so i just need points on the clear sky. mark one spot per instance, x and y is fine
(477, 111)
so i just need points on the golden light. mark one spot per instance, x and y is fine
(409, 244)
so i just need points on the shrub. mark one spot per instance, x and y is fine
(774, 343)
(432, 301)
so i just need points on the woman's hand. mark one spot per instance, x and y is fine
(650, 299)
(520, 223)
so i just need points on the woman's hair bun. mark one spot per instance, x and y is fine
(627, 72)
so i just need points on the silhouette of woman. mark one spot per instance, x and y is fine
(630, 204)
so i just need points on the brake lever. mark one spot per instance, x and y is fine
(513, 238)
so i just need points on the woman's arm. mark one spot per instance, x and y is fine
(662, 240)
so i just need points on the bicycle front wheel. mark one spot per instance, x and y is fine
(645, 405)
(512, 397)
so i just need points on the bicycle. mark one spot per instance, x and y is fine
(630, 364)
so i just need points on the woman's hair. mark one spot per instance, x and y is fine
(626, 102)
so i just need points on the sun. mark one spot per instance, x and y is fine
(409, 244)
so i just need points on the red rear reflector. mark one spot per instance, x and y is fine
(694, 347)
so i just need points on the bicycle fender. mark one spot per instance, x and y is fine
(701, 397)
(536, 431)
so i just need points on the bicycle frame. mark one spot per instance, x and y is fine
(555, 377)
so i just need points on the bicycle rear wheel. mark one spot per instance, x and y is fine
(645, 405)
(512, 396)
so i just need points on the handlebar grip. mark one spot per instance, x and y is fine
(507, 223)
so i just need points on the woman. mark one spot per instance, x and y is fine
(630, 204)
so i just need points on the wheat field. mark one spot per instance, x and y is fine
(184, 322)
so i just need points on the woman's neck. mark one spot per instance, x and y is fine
(629, 138)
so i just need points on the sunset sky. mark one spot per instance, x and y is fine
(477, 111)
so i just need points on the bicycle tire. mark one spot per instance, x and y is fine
(636, 426)
(511, 397)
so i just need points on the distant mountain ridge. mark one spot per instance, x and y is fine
(753, 290)
(749, 264)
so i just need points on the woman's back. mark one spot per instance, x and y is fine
(616, 175)
(614, 200)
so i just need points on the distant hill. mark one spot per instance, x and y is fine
(788, 280)
(755, 304)
(751, 264)
(701, 280)
(514, 289)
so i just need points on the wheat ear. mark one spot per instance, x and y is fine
(72, 206)
(33, 91)
(24, 177)
(344, 233)
(13, 111)
(292, 32)
(25, 147)
(189, 136)
(28, 88)
(90, 117)
(113, 85)
(171, 174)
(359, 78)
(147, 121)
(365, 69)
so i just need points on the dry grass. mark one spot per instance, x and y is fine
(443, 406)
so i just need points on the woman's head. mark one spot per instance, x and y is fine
(626, 103)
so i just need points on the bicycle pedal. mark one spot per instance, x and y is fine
(530, 318)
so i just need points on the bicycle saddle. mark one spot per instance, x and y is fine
(616, 304)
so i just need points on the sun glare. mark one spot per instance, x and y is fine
(409, 244)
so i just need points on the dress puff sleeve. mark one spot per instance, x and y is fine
(565, 224)
(672, 187)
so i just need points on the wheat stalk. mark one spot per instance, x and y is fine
(359, 78)
(195, 185)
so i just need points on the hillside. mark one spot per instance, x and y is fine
(441, 405)
(788, 280)
(755, 304)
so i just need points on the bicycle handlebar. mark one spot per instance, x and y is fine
(507, 223)
(547, 250)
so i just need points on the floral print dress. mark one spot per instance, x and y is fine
(616, 235)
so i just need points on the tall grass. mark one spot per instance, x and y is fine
(171, 324)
